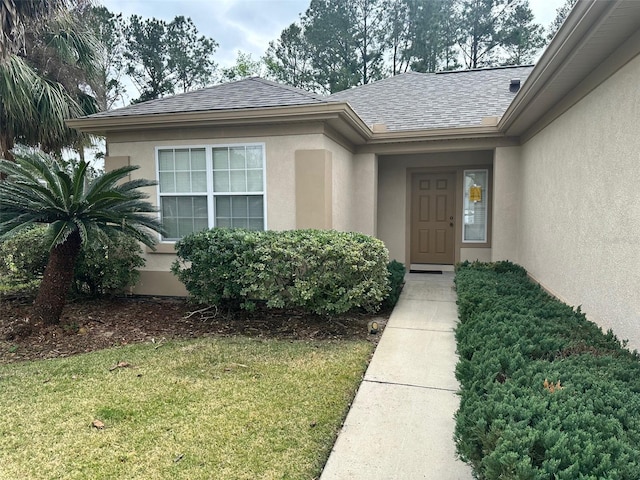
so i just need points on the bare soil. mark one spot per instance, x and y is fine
(88, 325)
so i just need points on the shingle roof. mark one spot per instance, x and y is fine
(411, 101)
(434, 100)
(248, 93)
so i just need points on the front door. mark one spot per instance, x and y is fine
(432, 214)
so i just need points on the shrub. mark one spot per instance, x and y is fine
(545, 394)
(24, 256)
(396, 274)
(324, 272)
(105, 265)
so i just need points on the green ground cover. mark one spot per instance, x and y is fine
(233, 408)
(545, 394)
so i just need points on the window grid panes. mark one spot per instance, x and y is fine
(235, 194)
(475, 206)
(183, 215)
(237, 169)
(240, 211)
(182, 170)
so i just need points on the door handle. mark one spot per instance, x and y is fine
(451, 224)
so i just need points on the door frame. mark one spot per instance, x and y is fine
(458, 170)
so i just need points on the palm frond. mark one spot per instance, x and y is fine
(79, 179)
(47, 79)
(74, 44)
(38, 190)
(108, 181)
(16, 94)
(17, 15)
(61, 230)
(135, 184)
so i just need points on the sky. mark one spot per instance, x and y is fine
(249, 25)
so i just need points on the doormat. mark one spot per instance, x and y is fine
(431, 272)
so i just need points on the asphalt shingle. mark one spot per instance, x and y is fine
(414, 101)
(248, 93)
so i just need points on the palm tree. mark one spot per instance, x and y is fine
(48, 66)
(38, 190)
(16, 15)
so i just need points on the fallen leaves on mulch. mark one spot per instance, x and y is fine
(89, 325)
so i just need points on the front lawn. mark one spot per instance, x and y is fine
(228, 408)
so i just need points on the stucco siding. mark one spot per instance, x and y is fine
(342, 185)
(475, 254)
(579, 222)
(506, 203)
(364, 203)
(392, 205)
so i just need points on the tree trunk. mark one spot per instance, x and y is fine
(57, 279)
(6, 144)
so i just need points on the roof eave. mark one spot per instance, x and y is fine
(542, 84)
(338, 113)
(436, 134)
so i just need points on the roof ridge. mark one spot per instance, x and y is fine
(291, 88)
(382, 80)
(483, 69)
(179, 94)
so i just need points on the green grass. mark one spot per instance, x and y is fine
(211, 408)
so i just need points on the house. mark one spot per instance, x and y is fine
(538, 165)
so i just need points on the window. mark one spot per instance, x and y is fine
(203, 187)
(475, 206)
(237, 173)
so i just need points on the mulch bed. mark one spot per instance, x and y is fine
(89, 325)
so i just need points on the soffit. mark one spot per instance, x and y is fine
(593, 31)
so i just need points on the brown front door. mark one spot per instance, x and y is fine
(432, 214)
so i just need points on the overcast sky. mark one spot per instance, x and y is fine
(249, 25)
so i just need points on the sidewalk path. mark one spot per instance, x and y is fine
(401, 424)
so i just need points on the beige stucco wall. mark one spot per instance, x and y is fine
(314, 199)
(342, 184)
(579, 225)
(364, 203)
(475, 254)
(394, 197)
(506, 203)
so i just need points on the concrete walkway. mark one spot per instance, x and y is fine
(401, 424)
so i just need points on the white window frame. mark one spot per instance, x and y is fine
(485, 197)
(210, 193)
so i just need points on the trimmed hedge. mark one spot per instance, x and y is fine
(545, 394)
(396, 275)
(106, 265)
(319, 271)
